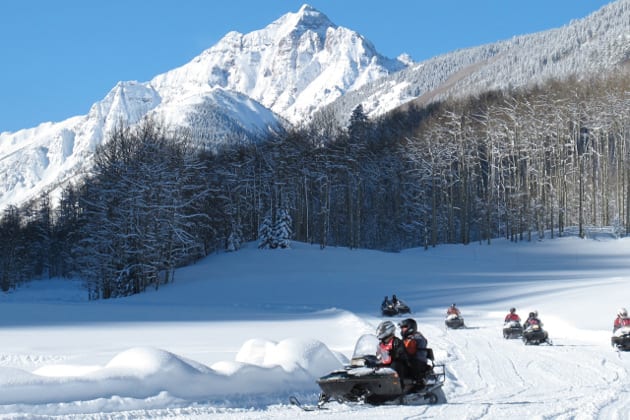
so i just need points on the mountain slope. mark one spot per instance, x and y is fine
(242, 89)
(597, 44)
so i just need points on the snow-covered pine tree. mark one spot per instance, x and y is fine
(283, 231)
(235, 238)
(266, 238)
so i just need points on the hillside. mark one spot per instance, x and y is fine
(597, 44)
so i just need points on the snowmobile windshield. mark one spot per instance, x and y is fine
(367, 345)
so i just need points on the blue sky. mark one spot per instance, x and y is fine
(59, 57)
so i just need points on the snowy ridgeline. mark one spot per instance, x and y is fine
(238, 333)
(248, 86)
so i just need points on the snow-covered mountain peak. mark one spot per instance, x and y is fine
(125, 104)
(306, 19)
(295, 65)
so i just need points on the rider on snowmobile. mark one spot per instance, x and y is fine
(416, 346)
(622, 319)
(391, 349)
(512, 316)
(532, 320)
(453, 310)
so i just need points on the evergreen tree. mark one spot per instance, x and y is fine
(266, 238)
(235, 238)
(282, 231)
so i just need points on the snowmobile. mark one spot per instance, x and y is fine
(363, 380)
(534, 334)
(454, 321)
(389, 308)
(621, 339)
(512, 329)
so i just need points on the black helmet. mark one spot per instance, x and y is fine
(385, 329)
(453, 305)
(532, 315)
(512, 310)
(410, 324)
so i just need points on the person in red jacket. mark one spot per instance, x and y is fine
(391, 350)
(622, 319)
(453, 310)
(512, 316)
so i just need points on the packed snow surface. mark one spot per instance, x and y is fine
(238, 333)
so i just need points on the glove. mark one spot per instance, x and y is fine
(371, 363)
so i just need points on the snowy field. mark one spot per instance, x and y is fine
(238, 333)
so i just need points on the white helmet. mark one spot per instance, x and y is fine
(385, 329)
(622, 312)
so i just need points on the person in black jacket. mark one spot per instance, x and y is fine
(416, 347)
(531, 320)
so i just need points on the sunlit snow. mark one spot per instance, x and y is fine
(238, 333)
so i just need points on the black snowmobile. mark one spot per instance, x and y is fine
(621, 339)
(512, 329)
(363, 381)
(454, 321)
(389, 308)
(534, 334)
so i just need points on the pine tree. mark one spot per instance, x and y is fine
(266, 238)
(282, 231)
(235, 238)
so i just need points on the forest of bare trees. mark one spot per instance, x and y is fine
(521, 164)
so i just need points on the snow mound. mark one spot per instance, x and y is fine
(291, 354)
(148, 361)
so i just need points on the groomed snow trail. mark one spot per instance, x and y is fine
(498, 378)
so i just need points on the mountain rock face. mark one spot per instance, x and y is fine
(249, 85)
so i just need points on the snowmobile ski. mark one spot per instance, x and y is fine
(307, 407)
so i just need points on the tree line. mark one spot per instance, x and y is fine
(518, 164)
